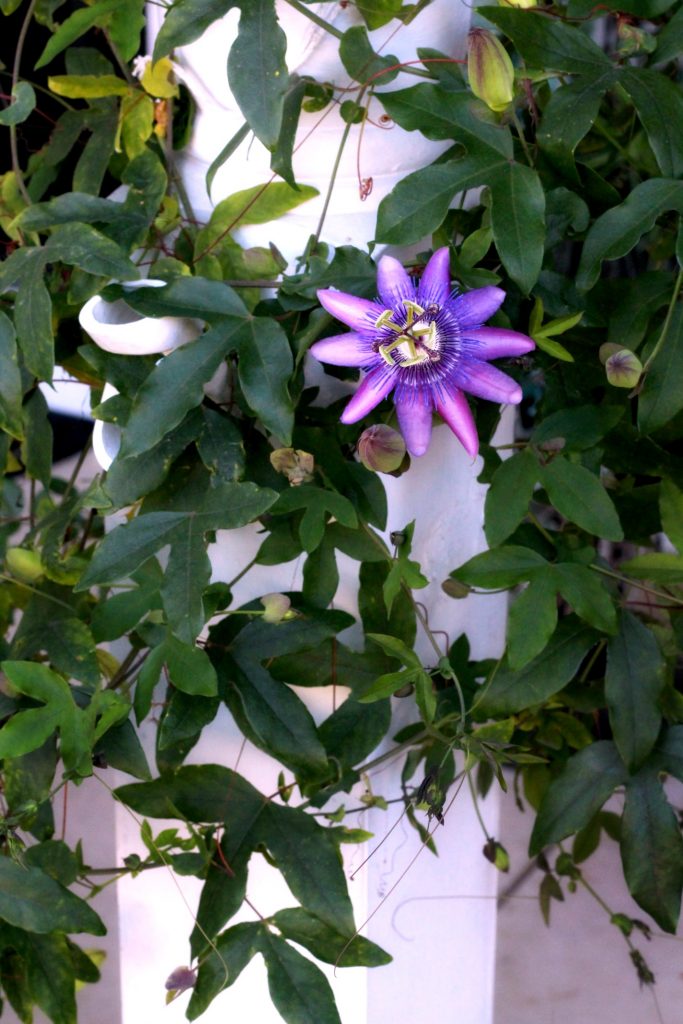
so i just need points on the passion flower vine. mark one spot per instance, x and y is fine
(426, 343)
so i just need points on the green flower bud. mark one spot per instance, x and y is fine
(522, 4)
(277, 607)
(381, 449)
(24, 564)
(489, 68)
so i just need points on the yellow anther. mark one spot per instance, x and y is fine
(388, 359)
(413, 310)
(385, 321)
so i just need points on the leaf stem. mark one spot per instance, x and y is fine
(315, 18)
(665, 326)
(16, 167)
(636, 583)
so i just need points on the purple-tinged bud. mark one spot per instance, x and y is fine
(490, 70)
(624, 369)
(496, 853)
(180, 979)
(381, 449)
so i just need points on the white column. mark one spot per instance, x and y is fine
(439, 923)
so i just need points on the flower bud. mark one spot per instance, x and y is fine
(623, 369)
(496, 853)
(489, 69)
(522, 4)
(24, 564)
(381, 449)
(277, 607)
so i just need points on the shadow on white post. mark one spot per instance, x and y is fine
(439, 922)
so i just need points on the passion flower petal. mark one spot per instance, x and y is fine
(393, 283)
(435, 283)
(350, 349)
(486, 381)
(356, 313)
(474, 308)
(454, 410)
(415, 421)
(370, 393)
(496, 342)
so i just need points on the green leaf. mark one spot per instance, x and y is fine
(281, 722)
(33, 317)
(658, 567)
(201, 793)
(440, 114)
(222, 894)
(618, 230)
(256, 205)
(23, 103)
(122, 749)
(264, 368)
(532, 619)
(224, 507)
(577, 794)
(578, 495)
(669, 751)
(417, 205)
(32, 900)
(660, 108)
(504, 567)
(396, 648)
(549, 43)
(187, 575)
(584, 591)
(360, 60)
(224, 964)
(633, 686)
(257, 72)
(652, 849)
(186, 20)
(190, 669)
(88, 87)
(378, 12)
(671, 511)
(36, 448)
(326, 943)
(174, 387)
(51, 976)
(319, 504)
(183, 719)
(28, 730)
(300, 991)
(73, 27)
(518, 221)
(134, 542)
(11, 391)
(660, 400)
(546, 675)
(568, 117)
(580, 427)
(354, 730)
(82, 246)
(508, 496)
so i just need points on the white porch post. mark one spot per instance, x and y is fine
(440, 921)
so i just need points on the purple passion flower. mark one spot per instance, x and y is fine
(426, 343)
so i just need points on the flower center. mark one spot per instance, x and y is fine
(416, 340)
